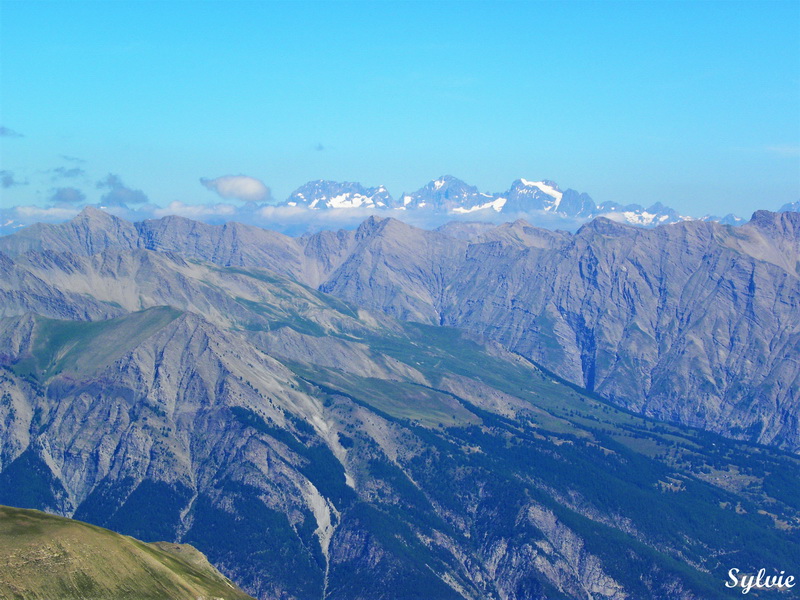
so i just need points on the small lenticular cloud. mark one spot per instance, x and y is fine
(240, 187)
(784, 149)
(6, 132)
(68, 173)
(67, 195)
(196, 211)
(7, 179)
(118, 193)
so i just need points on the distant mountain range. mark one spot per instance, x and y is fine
(790, 207)
(320, 205)
(449, 195)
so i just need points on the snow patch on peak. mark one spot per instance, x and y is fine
(548, 188)
(643, 218)
(348, 200)
(497, 204)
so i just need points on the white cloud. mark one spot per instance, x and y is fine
(67, 195)
(196, 211)
(118, 193)
(31, 214)
(6, 132)
(7, 180)
(784, 150)
(291, 220)
(241, 187)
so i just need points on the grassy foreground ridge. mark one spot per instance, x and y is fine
(53, 558)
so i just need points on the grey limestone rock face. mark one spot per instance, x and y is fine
(399, 268)
(695, 323)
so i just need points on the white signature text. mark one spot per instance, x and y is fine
(761, 580)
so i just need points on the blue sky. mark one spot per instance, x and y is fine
(693, 104)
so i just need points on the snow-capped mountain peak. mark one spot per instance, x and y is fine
(790, 207)
(534, 195)
(322, 194)
(445, 194)
(549, 188)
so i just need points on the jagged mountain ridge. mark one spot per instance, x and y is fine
(318, 434)
(450, 195)
(647, 318)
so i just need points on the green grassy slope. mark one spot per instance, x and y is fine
(81, 347)
(560, 412)
(45, 557)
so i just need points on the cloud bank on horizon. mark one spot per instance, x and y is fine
(291, 220)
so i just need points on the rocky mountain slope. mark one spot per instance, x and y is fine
(695, 323)
(46, 557)
(314, 449)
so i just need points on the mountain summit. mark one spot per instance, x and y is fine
(316, 195)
